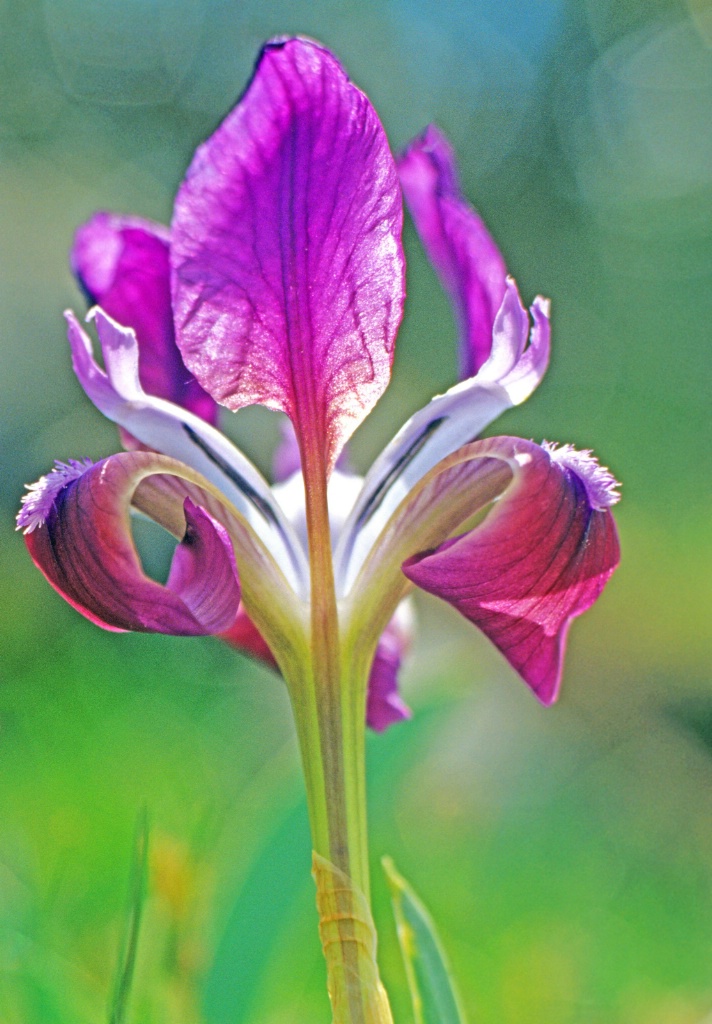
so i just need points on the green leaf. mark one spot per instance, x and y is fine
(432, 989)
(129, 946)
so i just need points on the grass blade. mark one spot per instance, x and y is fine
(129, 946)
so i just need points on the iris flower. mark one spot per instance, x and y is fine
(281, 283)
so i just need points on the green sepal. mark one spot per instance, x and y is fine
(432, 989)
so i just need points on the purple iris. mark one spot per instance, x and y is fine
(281, 282)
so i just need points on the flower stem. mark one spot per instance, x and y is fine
(329, 708)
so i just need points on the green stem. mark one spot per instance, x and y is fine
(329, 708)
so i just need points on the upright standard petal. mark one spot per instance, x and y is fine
(540, 558)
(78, 534)
(122, 264)
(287, 261)
(457, 242)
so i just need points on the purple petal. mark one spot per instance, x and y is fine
(78, 534)
(288, 267)
(123, 265)
(445, 424)
(384, 705)
(524, 376)
(203, 572)
(540, 558)
(457, 242)
(176, 432)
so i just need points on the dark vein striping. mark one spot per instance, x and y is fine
(378, 496)
(259, 503)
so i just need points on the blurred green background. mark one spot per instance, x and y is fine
(565, 853)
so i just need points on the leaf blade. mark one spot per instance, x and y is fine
(432, 989)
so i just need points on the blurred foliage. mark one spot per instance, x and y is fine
(566, 854)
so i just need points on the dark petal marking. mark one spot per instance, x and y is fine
(231, 473)
(256, 500)
(378, 494)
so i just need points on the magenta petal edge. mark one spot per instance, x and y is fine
(540, 558)
(78, 534)
(287, 261)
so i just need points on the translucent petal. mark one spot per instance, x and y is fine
(288, 267)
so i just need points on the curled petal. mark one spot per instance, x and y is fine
(203, 571)
(445, 424)
(123, 266)
(286, 253)
(523, 375)
(541, 558)
(176, 432)
(80, 538)
(384, 704)
(457, 242)
(158, 487)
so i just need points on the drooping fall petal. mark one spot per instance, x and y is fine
(540, 558)
(176, 432)
(123, 266)
(457, 242)
(447, 423)
(79, 536)
(286, 253)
